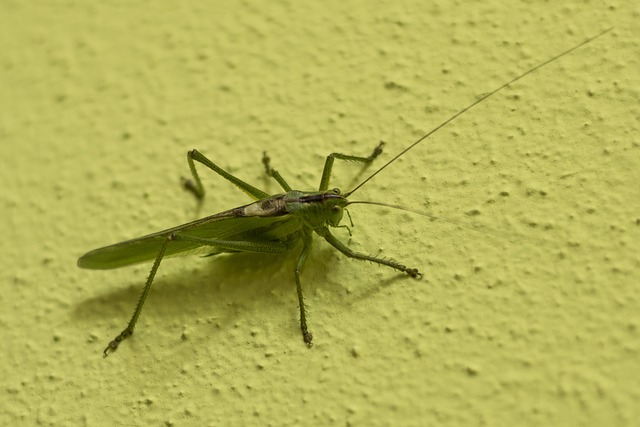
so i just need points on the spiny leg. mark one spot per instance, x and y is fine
(113, 345)
(266, 161)
(229, 245)
(306, 335)
(328, 164)
(236, 245)
(330, 238)
(268, 247)
(195, 186)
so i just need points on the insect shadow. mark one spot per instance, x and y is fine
(225, 289)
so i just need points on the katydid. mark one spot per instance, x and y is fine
(271, 224)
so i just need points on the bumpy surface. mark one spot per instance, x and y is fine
(528, 310)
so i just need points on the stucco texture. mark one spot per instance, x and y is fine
(527, 313)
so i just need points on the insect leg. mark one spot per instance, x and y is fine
(231, 245)
(113, 345)
(330, 238)
(269, 247)
(236, 245)
(328, 164)
(274, 173)
(195, 185)
(306, 335)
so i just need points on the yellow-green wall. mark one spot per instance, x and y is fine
(527, 313)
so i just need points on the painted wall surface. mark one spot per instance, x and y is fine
(528, 310)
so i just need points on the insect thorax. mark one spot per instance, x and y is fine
(317, 209)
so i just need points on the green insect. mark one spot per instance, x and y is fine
(271, 224)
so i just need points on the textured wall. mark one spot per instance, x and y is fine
(528, 311)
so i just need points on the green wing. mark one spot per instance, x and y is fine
(223, 226)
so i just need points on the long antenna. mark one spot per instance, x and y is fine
(494, 233)
(473, 104)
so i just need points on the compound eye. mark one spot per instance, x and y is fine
(335, 209)
(336, 191)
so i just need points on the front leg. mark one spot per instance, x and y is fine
(330, 238)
